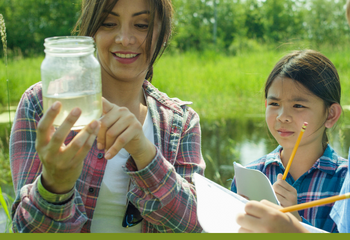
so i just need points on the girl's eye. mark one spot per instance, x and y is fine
(298, 106)
(273, 104)
(142, 26)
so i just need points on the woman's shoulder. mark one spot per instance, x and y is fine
(163, 99)
(34, 90)
(32, 97)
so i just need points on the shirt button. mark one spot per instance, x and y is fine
(91, 190)
(100, 155)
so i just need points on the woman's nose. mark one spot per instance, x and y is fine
(125, 37)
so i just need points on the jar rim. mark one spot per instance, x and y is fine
(69, 44)
(82, 39)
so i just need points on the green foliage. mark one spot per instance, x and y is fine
(29, 22)
(5, 202)
(325, 21)
(273, 21)
(5, 173)
(198, 24)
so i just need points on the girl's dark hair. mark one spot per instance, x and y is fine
(314, 71)
(95, 12)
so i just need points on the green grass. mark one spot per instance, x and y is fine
(22, 73)
(226, 86)
(220, 86)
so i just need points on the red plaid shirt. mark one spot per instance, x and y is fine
(164, 192)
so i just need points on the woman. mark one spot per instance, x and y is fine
(140, 166)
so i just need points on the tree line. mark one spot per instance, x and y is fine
(198, 24)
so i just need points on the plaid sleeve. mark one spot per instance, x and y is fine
(165, 193)
(30, 212)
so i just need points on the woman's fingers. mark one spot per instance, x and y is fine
(44, 129)
(82, 142)
(119, 142)
(119, 128)
(122, 120)
(63, 130)
(61, 169)
(115, 128)
(108, 118)
(81, 154)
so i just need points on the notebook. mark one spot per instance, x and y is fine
(217, 207)
(253, 184)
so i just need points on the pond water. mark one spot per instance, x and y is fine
(245, 140)
(242, 140)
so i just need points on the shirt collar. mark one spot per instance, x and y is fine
(327, 163)
(173, 103)
(274, 157)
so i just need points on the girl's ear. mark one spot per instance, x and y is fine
(334, 113)
(265, 103)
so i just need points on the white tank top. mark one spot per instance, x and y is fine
(111, 202)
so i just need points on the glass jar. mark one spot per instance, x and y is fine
(71, 74)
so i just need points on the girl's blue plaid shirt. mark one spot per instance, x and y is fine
(324, 179)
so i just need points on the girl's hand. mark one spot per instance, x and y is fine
(286, 194)
(121, 129)
(264, 217)
(62, 165)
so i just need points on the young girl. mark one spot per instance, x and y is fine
(303, 87)
(265, 216)
(140, 167)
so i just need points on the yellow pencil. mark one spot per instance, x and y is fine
(294, 151)
(315, 203)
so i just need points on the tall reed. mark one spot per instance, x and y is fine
(4, 197)
(4, 45)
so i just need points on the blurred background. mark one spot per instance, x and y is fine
(219, 57)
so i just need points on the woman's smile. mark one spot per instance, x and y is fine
(126, 57)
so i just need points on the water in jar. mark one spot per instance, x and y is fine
(89, 102)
